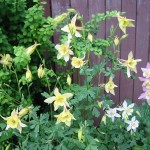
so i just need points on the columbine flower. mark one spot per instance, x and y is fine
(124, 23)
(41, 72)
(28, 75)
(68, 80)
(146, 71)
(146, 83)
(6, 60)
(65, 117)
(64, 51)
(131, 63)
(77, 62)
(112, 113)
(127, 110)
(109, 86)
(59, 99)
(133, 124)
(14, 121)
(72, 28)
(32, 48)
(145, 95)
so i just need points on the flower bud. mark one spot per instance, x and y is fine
(69, 80)
(60, 18)
(90, 37)
(116, 41)
(80, 134)
(28, 75)
(31, 49)
(24, 111)
(41, 72)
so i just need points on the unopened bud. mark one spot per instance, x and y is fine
(116, 41)
(41, 72)
(80, 134)
(24, 111)
(31, 49)
(69, 80)
(60, 18)
(28, 75)
(90, 37)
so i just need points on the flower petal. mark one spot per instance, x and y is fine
(50, 100)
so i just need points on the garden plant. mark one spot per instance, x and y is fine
(43, 108)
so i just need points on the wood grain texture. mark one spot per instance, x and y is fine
(142, 42)
(127, 45)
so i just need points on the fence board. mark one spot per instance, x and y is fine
(142, 42)
(114, 5)
(127, 45)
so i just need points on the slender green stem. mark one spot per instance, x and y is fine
(28, 90)
(18, 83)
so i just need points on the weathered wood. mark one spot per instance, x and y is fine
(142, 42)
(127, 45)
(114, 5)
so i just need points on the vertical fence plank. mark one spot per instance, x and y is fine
(114, 5)
(142, 42)
(58, 7)
(127, 45)
(94, 8)
(47, 8)
(82, 7)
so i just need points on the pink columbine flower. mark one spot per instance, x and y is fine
(146, 71)
(145, 95)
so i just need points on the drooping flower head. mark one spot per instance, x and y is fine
(110, 86)
(59, 99)
(14, 121)
(133, 124)
(112, 113)
(124, 23)
(64, 51)
(72, 28)
(65, 117)
(6, 60)
(32, 48)
(130, 63)
(41, 72)
(28, 75)
(77, 62)
(68, 80)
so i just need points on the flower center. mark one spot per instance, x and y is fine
(131, 63)
(64, 49)
(60, 99)
(13, 121)
(110, 85)
(72, 28)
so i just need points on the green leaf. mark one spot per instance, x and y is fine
(96, 112)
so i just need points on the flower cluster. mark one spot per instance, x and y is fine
(146, 83)
(61, 100)
(64, 50)
(127, 111)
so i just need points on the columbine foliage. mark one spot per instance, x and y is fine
(42, 108)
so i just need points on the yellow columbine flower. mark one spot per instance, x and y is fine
(109, 86)
(14, 121)
(59, 99)
(41, 72)
(6, 60)
(28, 75)
(65, 117)
(64, 51)
(124, 23)
(31, 49)
(72, 28)
(130, 63)
(77, 62)
(68, 80)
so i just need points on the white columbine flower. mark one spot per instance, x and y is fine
(112, 113)
(127, 110)
(133, 124)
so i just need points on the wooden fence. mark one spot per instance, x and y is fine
(138, 40)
